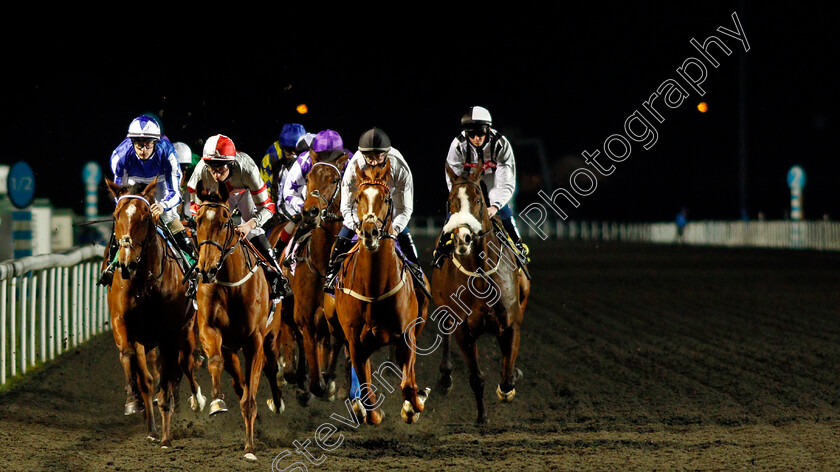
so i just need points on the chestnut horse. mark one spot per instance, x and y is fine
(234, 312)
(149, 308)
(320, 223)
(376, 301)
(489, 289)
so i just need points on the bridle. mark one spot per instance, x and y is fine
(229, 246)
(379, 224)
(482, 203)
(325, 213)
(127, 241)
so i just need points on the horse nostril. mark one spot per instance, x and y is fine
(375, 233)
(132, 266)
(468, 239)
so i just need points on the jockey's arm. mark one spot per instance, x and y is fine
(504, 178)
(403, 198)
(455, 159)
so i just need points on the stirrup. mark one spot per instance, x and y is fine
(524, 250)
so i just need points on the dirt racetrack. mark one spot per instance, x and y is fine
(635, 358)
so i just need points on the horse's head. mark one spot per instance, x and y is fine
(373, 204)
(323, 184)
(134, 224)
(214, 230)
(467, 209)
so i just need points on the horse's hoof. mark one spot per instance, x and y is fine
(408, 414)
(217, 406)
(505, 397)
(166, 446)
(197, 401)
(249, 456)
(445, 384)
(133, 407)
(517, 374)
(153, 437)
(482, 420)
(423, 395)
(304, 397)
(359, 410)
(273, 408)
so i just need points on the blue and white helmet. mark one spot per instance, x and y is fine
(144, 127)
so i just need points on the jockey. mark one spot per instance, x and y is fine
(276, 163)
(479, 145)
(143, 156)
(374, 149)
(221, 164)
(326, 145)
(187, 160)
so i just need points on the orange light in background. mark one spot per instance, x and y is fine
(702, 107)
(302, 109)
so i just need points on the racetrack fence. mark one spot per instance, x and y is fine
(49, 304)
(820, 235)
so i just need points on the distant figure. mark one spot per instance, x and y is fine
(682, 221)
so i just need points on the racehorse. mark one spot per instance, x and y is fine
(320, 223)
(234, 312)
(493, 290)
(149, 308)
(376, 301)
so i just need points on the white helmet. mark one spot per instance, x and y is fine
(144, 127)
(184, 153)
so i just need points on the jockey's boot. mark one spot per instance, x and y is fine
(513, 232)
(339, 250)
(182, 239)
(444, 249)
(185, 244)
(107, 275)
(279, 284)
(410, 250)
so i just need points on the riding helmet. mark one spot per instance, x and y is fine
(290, 134)
(475, 118)
(144, 127)
(327, 140)
(374, 140)
(219, 148)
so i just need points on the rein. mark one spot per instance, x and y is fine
(227, 249)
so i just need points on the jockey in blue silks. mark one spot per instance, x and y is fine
(143, 156)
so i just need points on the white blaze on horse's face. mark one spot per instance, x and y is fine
(463, 224)
(130, 210)
(370, 238)
(210, 214)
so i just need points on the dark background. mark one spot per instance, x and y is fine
(567, 76)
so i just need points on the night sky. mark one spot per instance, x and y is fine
(567, 77)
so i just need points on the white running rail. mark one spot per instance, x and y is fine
(49, 304)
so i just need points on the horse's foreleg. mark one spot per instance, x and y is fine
(254, 361)
(445, 378)
(509, 345)
(413, 403)
(470, 349)
(233, 367)
(170, 377)
(145, 384)
(127, 352)
(272, 372)
(211, 340)
(188, 364)
(316, 380)
(367, 398)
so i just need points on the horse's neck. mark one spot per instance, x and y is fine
(381, 263)
(235, 266)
